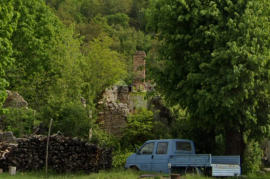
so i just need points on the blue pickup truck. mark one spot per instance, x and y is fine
(178, 156)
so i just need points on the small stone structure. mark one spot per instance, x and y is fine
(117, 103)
(113, 110)
(7, 137)
(120, 101)
(14, 100)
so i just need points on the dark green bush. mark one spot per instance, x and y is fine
(252, 158)
(71, 118)
(20, 121)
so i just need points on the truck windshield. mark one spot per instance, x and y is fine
(147, 148)
(186, 146)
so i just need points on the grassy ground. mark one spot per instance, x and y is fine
(114, 174)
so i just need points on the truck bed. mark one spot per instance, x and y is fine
(232, 160)
(196, 160)
(202, 160)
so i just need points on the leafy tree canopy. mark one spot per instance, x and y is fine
(34, 42)
(103, 67)
(8, 23)
(216, 63)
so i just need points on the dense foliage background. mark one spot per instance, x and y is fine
(209, 60)
(56, 52)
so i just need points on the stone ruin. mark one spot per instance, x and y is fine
(113, 110)
(120, 101)
(7, 137)
(139, 71)
(14, 100)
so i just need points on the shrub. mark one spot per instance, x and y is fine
(20, 121)
(252, 157)
(101, 138)
(120, 156)
(70, 118)
(139, 128)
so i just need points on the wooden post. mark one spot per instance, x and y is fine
(47, 150)
(103, 153)
(268, 152)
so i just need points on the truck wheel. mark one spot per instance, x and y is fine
(208, 172)
(134, 169)
(193, 171)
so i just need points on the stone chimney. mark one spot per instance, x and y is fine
(139, 71)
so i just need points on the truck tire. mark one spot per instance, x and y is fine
(133, 169)
(208, 172)
(193, 171)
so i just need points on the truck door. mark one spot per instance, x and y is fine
(160, 158)
(144, 156)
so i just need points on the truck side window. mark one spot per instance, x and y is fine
(147, 148)
(162, 148)
(186, 146)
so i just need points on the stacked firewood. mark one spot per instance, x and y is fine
(65, 154)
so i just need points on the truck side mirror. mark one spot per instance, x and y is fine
(137, 150)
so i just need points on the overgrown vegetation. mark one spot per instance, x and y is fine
(214, 58)
(113, 174)
(20, 121)
(56, 53)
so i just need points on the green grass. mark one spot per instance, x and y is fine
(113, 174)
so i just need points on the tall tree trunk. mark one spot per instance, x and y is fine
(235, 144)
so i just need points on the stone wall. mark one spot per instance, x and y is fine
(117, 94)
(120, 101)
(14, 99)
(7, 137)
(113, 110)
(136, 100)
(139, 74)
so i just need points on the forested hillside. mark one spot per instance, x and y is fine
(123, 21)
(64, 50)
(59, 52)
(208, 59)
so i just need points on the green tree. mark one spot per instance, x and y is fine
(128, 40)
(90, 8)
(8, 23)
(63, 102)
(137, 14)
(68, 12)
(34, 42)
(70, 118)
(139, 128)
(97, 25)
(184, 128)
(116, 6)
(103, 67)
(118, 18)
(216, 64)
(19, 120)
(67, 62)
(54, 3)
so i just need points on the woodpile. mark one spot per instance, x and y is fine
(65, 154)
